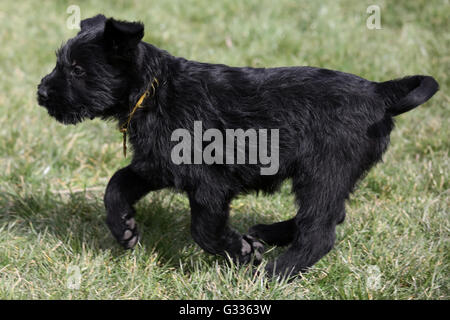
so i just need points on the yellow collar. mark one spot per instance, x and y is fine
(151, 90)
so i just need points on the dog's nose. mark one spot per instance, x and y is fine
(43, 93)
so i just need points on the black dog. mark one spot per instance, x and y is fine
(333, 127)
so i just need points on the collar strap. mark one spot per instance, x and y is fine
(149, 92)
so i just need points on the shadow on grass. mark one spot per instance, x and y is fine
(78, 221)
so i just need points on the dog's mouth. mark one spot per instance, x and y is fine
(63, 115)
(41, 101)
(64, 118)
(67, 118)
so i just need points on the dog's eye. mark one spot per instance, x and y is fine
(77, 71)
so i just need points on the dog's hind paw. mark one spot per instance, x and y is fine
(252, 250)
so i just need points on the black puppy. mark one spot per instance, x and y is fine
(333, 127)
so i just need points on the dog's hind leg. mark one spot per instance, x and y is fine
(210, 230)
(321, 209)
(124, 189)
(276, 234)
(280, 233)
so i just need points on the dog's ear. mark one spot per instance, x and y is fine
(93, 22)
(122, 37)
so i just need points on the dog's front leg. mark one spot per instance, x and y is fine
(210, 230)
(124, 189)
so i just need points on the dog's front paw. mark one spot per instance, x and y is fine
(130, 236)
(125, 231)
(251, 249)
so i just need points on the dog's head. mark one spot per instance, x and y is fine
(93, 70)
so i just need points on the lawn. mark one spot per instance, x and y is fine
(394, 243)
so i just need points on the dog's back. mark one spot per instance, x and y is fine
(322, 116)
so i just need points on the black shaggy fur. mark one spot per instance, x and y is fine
(333, 127)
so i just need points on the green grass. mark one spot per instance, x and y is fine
(52, 177)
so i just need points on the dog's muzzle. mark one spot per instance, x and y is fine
(42, 94)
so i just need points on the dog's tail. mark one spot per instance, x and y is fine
(402, 95)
